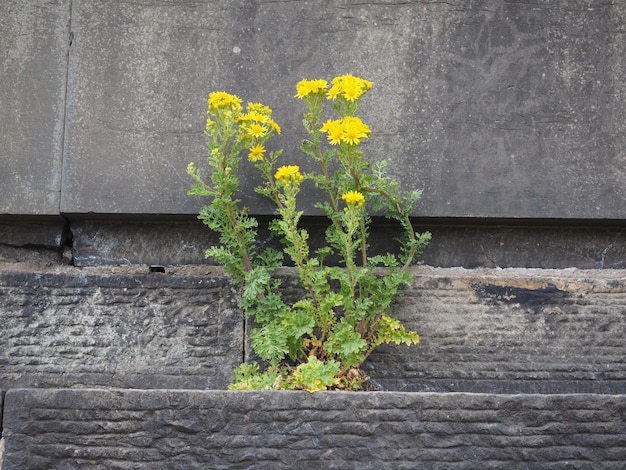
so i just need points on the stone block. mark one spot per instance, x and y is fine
(34, 241)
(135, 329)
(509, 331)
(482, 330)
(33, 65)
(46, 232)
(132, 242)
(169, 429)
(183, 241)
(503, 331)
(496, 109)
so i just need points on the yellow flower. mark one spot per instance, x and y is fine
(274, 126)
(349, 130)
(354, 198)
(259, 108)
(306, 87)
(353, 130)
(250, 117)
(288, 173)
(221, 99)
(334, 129)
(333, 93)
(257, 130)
(257, 153)
(259, 117)
(352, 88)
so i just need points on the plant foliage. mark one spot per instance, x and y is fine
(319, 341)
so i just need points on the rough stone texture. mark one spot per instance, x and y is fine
(184, 240)
(45, 232)
(129, 242)
(510, 331)
(73, 327)
(34, 40)
(495, 108)
(2, 392)
(531, 246)
(484, 330)
(75, 429)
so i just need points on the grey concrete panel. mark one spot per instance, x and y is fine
(34, 38)
(495, 109)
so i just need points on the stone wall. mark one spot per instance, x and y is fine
(491, 331)
(510, 115)
(76, 429)
(497, 109)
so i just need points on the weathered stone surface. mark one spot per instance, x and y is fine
(45, 232)
(510, 331)
(33, 66)
(73, 327)
(183, 240)
(495, 109)
(165, 429)
(535, 246)
(484, 330)
(506, 331)
(129, 242)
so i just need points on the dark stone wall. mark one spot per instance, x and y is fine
(491, 331)
(552, 338)
(525, 244)
(137, 330)
(76, 429)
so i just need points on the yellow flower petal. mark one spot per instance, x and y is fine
(288, 173)
(257, 153)
(354, 198)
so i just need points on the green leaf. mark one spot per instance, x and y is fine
(315, 375)
(308, 148)
(270, 342)
(248, 377)
(391, 330)
(297, 324)
(347, 344)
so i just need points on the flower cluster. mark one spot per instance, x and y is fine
(349, 130)
(310, 87)
(288, 173)
(219, 100)
(349, 87)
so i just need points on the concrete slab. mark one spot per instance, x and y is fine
(495, 109)
(34, 40)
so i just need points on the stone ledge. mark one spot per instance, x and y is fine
(176, 429)
(471, 243)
